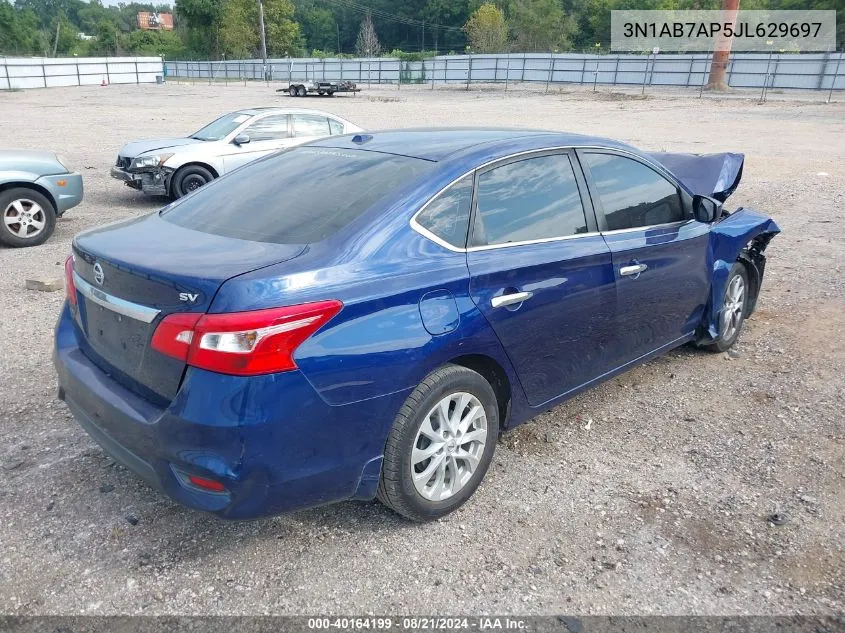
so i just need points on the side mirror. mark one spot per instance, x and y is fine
(706, 209)
(241, 139)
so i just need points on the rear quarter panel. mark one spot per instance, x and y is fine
(378, 344)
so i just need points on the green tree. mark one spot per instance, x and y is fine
(487, 29)
(239, 34)
(106, 42)
(450, 13)
(64, 36)
(202, 20)
(540, 25)
(319, 28)
(19, 34)
(165, 44)
(283, 33)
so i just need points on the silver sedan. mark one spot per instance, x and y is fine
(176, 166)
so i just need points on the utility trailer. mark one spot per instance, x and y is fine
(330, 88)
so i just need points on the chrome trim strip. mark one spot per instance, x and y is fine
(455, 249)
(121, 306)
(665, 225)
(541, 240)
(428, 234)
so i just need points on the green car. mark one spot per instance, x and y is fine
(35, 188)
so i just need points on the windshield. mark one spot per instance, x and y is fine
(221, 128)
(300, 196)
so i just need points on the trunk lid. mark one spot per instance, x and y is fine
(133, 274)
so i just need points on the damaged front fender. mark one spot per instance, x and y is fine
(741, 236)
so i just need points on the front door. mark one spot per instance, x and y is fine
(659, 251)
(266, 134)
(541, 274)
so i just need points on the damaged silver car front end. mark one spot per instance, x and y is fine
(153, 180)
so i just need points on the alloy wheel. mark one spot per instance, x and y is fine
(24, 218)
(448, 447)
(733, 307)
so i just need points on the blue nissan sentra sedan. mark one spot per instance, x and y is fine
(363, 315)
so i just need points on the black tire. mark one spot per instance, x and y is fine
(723, 343)
(189, 178)
(292, 91)
(331, 93)
(321, 92)
(396, 486)
(32, 207)
(300, 91)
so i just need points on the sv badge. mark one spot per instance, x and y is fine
(187, 296)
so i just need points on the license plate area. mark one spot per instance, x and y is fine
(119, 339)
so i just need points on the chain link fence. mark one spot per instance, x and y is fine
(17, 73)
(821, 71)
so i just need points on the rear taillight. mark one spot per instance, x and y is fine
(70, 287)
(242, 343)
(174, 335)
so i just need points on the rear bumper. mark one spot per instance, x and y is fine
(153, 183)
(274, 444)
(66, 189)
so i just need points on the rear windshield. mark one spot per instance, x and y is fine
(299, 196)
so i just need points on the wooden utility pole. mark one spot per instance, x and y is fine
(722, 49)
(263, 38)
(56, 42)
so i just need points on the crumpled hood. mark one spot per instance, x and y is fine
(131, 150)
(714, 175)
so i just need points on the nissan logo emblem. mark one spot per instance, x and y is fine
(99, 275)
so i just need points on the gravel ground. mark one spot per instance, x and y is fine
(650, 494)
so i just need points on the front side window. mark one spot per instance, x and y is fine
(531, 199)
(447, 215)
(269, 128)
(633, 194)
(310, 125)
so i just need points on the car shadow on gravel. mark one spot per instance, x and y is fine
(134, 516)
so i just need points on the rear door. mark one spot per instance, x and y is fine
(541, 273)
(310, 127)
(267, 134)
(659, 250)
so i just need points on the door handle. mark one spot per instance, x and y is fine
(634, 270)
(511, 299)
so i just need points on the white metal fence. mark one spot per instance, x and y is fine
(819, 71)
(49, 72)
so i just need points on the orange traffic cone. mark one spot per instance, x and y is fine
(104, 82)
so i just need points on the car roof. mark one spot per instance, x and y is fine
(282, 110)
(441, 144)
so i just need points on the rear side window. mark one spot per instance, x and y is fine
(531, 199)
(336, 126)
(447, 215)
(633, 194)
(310, 125)
(296, 197)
